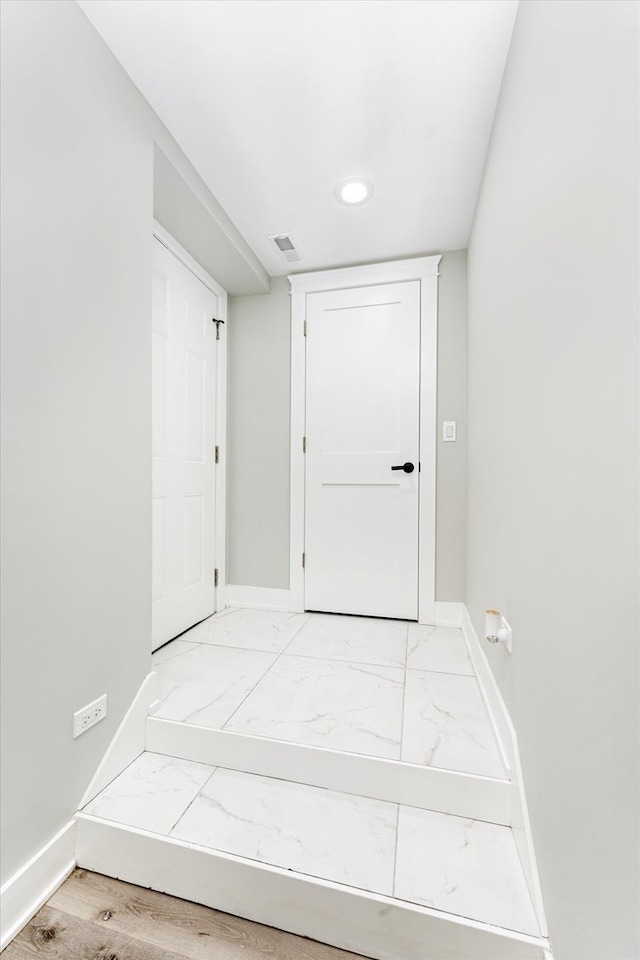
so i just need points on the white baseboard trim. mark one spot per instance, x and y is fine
(496, 707)
(30, 888)
(521, 829)
(356, 920)
(444, 791)
(128, 741)
(258, 598)
(449, 614)
(508, 742)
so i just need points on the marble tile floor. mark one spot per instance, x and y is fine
(463, 867)
(383, 688)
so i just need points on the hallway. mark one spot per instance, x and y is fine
(499, 136)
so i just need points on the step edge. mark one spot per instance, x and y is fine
(384, 900)
(460, 794)
(254, 738)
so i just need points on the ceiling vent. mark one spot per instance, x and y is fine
(285, 245)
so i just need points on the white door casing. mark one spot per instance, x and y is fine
(184, 425)
(362, 418)
(303, 288)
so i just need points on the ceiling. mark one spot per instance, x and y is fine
(276, 101)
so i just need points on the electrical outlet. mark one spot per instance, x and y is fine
(89, 715)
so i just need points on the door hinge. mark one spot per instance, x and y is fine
(215, 577)
(217, 323)
(217, 454)
(303, 561)
(304, 444)
(305, 328)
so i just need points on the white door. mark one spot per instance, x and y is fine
(362, 421)
(184, 417)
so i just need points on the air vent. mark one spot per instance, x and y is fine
(285, 245)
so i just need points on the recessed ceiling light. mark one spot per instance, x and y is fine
(353, 192)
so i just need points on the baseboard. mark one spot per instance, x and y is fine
(430, 788)
(448, 614)
(508, 743)
(359, 921)
(30, 888)
(521, 829)
(258, 598)
(128, 741)
(496, 707)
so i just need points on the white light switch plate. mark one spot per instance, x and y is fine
(449, 431)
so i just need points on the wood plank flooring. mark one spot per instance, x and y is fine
(91, 917)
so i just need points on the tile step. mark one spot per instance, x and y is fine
(197, 831)
(445, 791)
(388, 689)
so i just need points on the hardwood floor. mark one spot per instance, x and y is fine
(91, 917)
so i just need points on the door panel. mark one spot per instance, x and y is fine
(184, 416)
(362, 410)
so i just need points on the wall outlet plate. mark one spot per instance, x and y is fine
(90, 715)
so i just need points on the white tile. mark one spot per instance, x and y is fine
(347, 706)
(313, 831)
(171, 650)
(356, 639)
(465, 867)
(446, 725)
(222, 613)
(206, 684)
(441, 649)
(268, 630)
(152, 793)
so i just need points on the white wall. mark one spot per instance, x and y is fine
(553, 450)
(258, 435)
(77, 205)
(185, 207)
(451, 488)
(259, 379)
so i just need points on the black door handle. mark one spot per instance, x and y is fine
(407, 467)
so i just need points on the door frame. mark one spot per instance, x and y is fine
(219, 546)
(424, 269)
